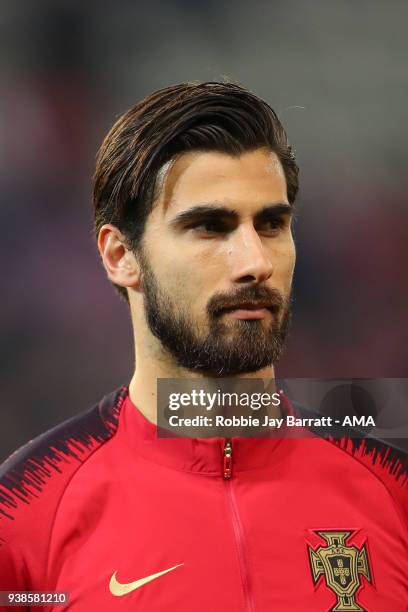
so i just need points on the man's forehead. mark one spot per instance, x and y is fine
(220, 179)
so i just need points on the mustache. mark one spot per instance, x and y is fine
(220, 302)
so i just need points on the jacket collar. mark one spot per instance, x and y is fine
(196, 455)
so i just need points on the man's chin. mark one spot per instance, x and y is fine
(228, 371)
(231, 358)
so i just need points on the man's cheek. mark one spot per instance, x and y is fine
(290, 265)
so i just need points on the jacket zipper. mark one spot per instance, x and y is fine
(237, 528)
(227, 459)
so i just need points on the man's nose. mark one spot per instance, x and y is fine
(249, 260)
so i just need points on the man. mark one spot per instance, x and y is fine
(194, 195)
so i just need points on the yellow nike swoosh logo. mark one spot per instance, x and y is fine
(118, 589)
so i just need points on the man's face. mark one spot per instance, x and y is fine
(217, 262)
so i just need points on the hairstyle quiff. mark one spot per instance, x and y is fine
(210, 116)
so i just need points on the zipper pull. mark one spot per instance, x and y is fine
(227, 459)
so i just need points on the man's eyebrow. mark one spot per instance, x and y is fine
(282, 208)
(206, 210)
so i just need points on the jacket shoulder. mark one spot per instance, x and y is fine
(385, 461)
(33, 480)
(381, 459)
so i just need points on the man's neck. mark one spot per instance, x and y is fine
(143, 385)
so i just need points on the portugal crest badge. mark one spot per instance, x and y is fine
(342, 566)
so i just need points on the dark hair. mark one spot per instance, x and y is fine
(210, 116)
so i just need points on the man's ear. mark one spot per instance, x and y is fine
(120, 263)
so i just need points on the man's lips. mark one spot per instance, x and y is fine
(250, 311)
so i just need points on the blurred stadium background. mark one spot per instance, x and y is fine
(336, 72)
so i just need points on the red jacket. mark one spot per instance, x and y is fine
(99, 503)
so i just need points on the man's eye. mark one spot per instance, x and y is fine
(210, 227)
(271, 225)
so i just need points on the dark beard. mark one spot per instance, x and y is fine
(236, 347)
